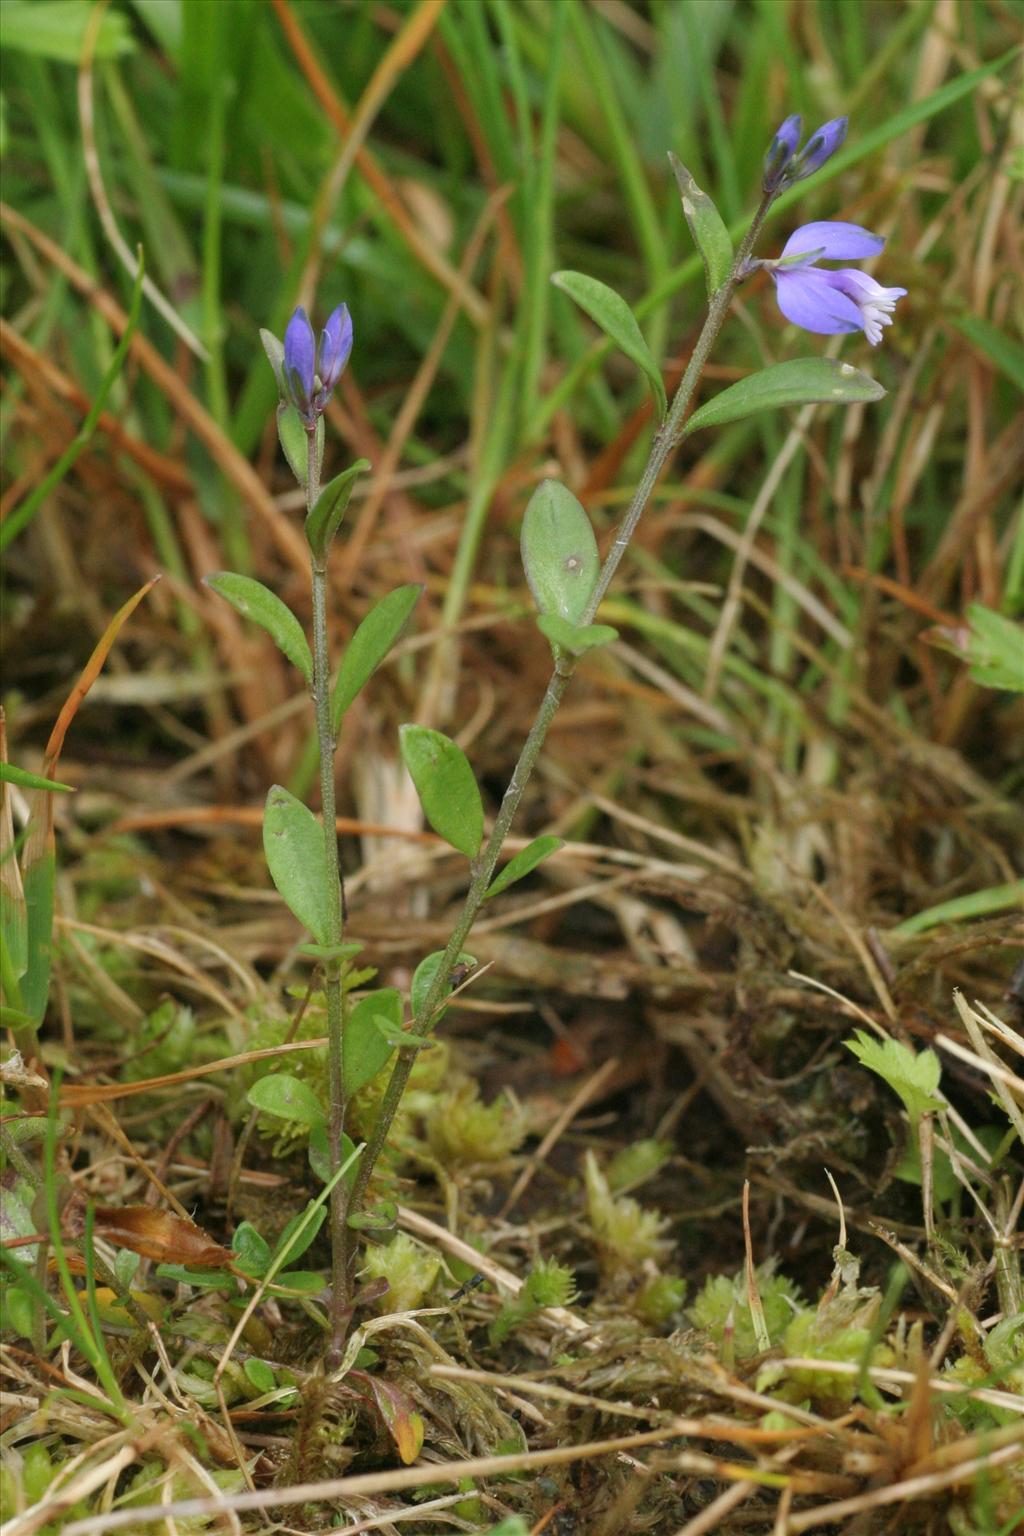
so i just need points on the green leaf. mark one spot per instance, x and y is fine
(297, 1282)
(802, 381)
(252, 1251)
(445, 784)
(39, 881)
(996, 649)
(370, 644)
(707, 227)
(57, 30)
(9, 774)
(366, 1049)
(382, 1217)
(996, 345)
(616, 319)
(559, 552)
(293, 842)
(913, 1075)
(339, 952)
(959, 909)
(525, 861)
(294, 440)
(254, 601)
(260, 1375)
(324, 520)
(274, 348)
(572, 637)
(287, 1097)
(300, 1233)
(320, 1154)
(423, 980)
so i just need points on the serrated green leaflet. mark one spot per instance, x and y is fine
(802, 381)
(254, 601)
(611, 312)
(293, 841)
(445, 784)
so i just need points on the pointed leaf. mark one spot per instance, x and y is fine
(293, 842)
(445, 784)
(274, 348)
(616, 319)
(287, 1097)
(707, 227)
(525, 861)
(9, 774)
(996, 649)
(398, 1411)
(255, 601)
(295, 442)
(370, 644)
(802, 381)
(423, 980)
(366, 1050)
(559, 552)
(325, 519)
(572, 637)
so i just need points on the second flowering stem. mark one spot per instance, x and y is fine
(333, 989)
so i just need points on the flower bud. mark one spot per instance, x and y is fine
(780, 152)
(335, 346)
(300, 364)
(821, 146)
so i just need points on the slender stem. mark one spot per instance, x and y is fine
(332, 887)
(666, 439)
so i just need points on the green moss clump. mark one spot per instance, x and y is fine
(722, 1307)
(409, 1269)
(627, 1236)
(463, 1130)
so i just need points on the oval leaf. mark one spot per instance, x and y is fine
(366, 1049)
(325, 519)
(525, 861)
(255, 601)
(423, 980)
(370, 644)
(575, 638)
(293, 842)
(559, 552)
(287, 1097)
(445, 784)
(320, 1155)
(617, 320)
(802, 381)
(707, 227)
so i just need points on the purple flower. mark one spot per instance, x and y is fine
(782, 164)
(310, 374)
(826, 301)
(781, 151)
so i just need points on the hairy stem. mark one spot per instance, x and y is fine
(332, 967)
(665, 441)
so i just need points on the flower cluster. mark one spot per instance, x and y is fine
(818, 298)
(311, 371)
